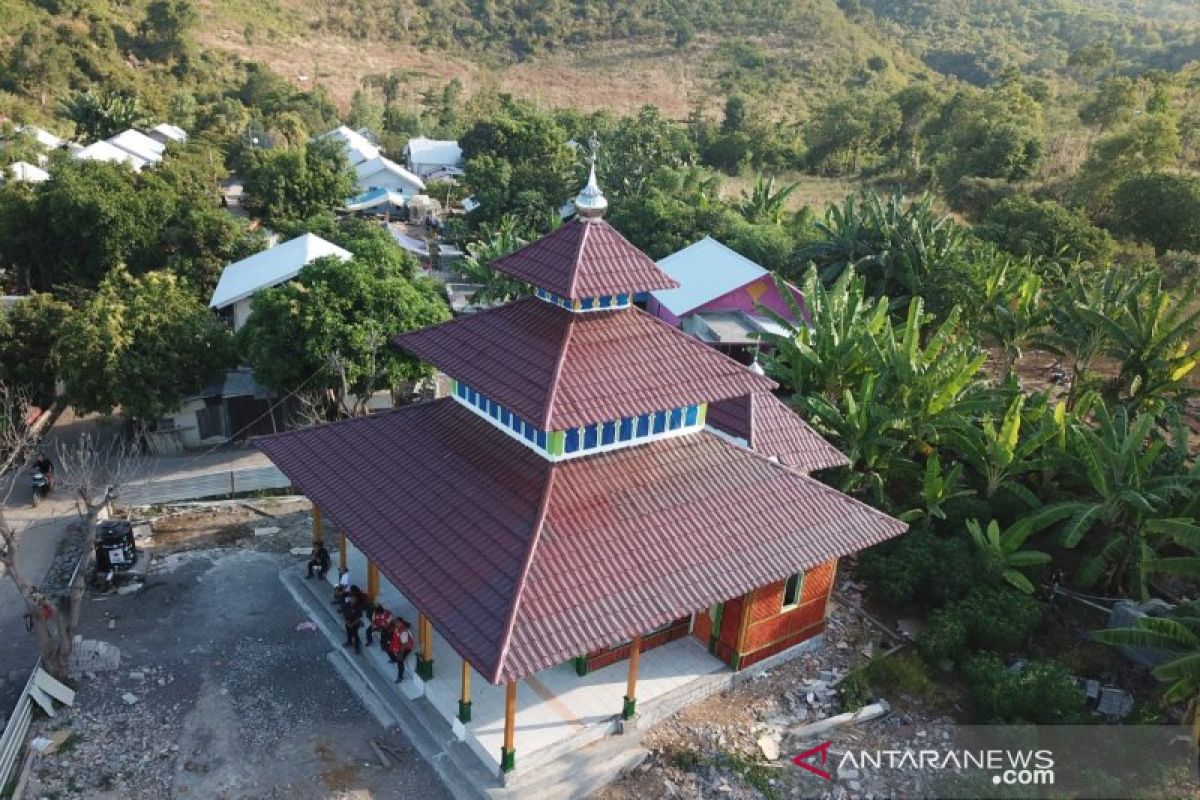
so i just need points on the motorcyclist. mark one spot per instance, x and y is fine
(43, 465)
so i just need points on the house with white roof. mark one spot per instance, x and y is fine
(357, 147)
(139, 144)
(383, 173)
(271, 267)
(433, 158)
(24, 172)
(721, 296)
(104, 151)
(166, 133)
(42, 136)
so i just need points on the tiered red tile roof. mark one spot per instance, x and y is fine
(521, 563)
(522, 559)
(771, 428)
(560, 370)
(585, 258)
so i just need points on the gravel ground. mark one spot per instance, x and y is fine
(218, 694)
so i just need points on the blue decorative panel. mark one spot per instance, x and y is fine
(572, 441)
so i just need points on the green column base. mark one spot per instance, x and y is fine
(630, 708)
(425, 668)
(508, 760)
(581, 667)
(736, 661)
(464, 711)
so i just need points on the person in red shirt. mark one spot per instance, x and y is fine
(399, 645)
(381, 620)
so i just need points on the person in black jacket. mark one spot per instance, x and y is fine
(354, 623)
(319, 560)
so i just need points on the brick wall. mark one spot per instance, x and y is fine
(767, 629)
(602, 658)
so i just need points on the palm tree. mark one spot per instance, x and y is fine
(763, 204)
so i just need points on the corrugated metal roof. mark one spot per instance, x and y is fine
(704, 270)
(562, 370)
(271, 267)
(445, 152)
(521, 563)
(771, 428)
(584, 258)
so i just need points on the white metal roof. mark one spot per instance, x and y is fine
(103, 151)
(25, 172)
(357, 147)
(44, 137)
(169, 131)
(139, 144)
(380, 164)
(444, 152)
(705, 271)
(272, 267)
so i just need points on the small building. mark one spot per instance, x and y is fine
(432, 159)
(597, 484)
(234, 406)
(140, 145)
(165, 133)
(104, 151)
(24, 172)
(357, 147)
(721, 297)
(271, 267)
(383, 173)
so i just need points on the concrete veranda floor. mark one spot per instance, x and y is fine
(557, 710)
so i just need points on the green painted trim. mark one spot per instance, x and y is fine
(715, 635)
(508, 760)
(453, 386)
(464, 711)
(581, 667)
(630, 708)
(702, 415)
(556, 442)
(736, 661)
(425, 668)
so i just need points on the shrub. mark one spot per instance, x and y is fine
(944, 635)
(922, 567)
(1043, 693)
(1000, 618)
(903, 673)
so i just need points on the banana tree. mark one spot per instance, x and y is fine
(1179, 637)
(1014, 311)
(867, 431)
(1151, 334)
(1004, 550)
(763, 204)
(937, 488)
(999, 455)
(1129, 499)
(838, 347)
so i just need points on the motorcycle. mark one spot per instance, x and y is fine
(42, 484)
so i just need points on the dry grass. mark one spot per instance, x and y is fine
(618, 78)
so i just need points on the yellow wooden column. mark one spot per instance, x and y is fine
(508, 756)
(317, 533)
(372, 582)
(635, 655)
(342, 560)
(425, 640)
(464, 702)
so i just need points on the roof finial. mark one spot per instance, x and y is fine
(590, 202)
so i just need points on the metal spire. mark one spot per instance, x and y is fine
(590, 203)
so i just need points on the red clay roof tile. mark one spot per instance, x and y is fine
(771, 428)
(521, 563)
(562, 370)
(585, 258)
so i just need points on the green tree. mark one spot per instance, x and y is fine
(763, 203)
(28, 331)
(494, 243)
(140, 344)
(1160, 208)
(288, 185)
(329, 330)
(850, 129)
(365, 111)
(1004, 550)
(1113, 104)
(1045, 229)
(162, 36)
(1150, 144)
(1014, 311)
